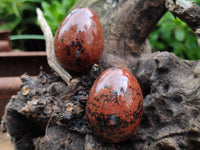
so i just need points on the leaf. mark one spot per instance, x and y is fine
(180, 34)
(55, 12)
(27, 36)
(160, 46)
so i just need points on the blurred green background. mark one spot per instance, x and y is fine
(173, 35)
(19, 17)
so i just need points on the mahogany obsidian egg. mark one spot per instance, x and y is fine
(115, 105)
(78, 41)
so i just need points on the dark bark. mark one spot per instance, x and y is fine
(49, 114)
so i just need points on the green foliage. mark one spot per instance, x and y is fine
(13, 15)
(175, 36)
(196, 1)
(55, 12)
(19, 17)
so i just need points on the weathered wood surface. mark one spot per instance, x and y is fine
(49, 114)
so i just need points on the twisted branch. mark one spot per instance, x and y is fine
(51, 58)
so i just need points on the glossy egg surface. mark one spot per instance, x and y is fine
(78, 41)
(115, 105)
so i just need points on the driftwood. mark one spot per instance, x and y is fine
(53, 63)
(49, 114)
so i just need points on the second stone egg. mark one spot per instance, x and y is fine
(115, 105)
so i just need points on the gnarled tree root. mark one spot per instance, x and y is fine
(51, 115)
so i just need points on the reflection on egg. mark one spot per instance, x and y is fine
(115, 105)
(78, 41)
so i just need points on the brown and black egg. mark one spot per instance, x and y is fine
(79, 41)
(115, 105)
